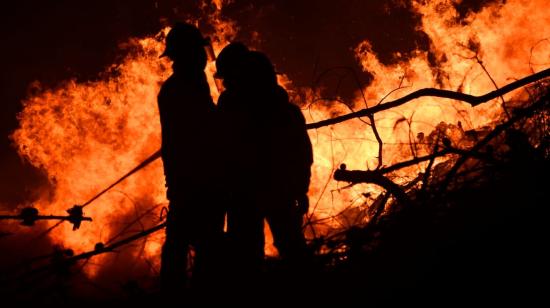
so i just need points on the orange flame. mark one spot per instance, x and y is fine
(86, 135)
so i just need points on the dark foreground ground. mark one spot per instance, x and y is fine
(481, 244)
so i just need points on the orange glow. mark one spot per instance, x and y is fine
(86, 135)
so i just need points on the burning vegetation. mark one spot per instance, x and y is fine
(434, 174)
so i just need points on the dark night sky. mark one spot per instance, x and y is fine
(50, 41)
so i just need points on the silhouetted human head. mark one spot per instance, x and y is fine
(185, 46)
(230, 61)
(259, 70)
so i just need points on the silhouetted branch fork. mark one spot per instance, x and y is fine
(373, 177)
(413, 161)
(471, 99)
(356, 177)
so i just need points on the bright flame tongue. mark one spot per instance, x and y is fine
(508, 48)
(86, 135)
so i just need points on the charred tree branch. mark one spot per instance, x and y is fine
(471, 99)
(495, 84)
(378, 139)
(374, 177)
(414, 161)
(417, 160)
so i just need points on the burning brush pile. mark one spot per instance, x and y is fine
(431, 183)
(472, 226)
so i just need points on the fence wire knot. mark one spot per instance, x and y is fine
(76, 216)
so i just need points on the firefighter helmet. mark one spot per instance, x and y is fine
(230, 59)
(183, 36)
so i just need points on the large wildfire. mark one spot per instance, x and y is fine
(86, 135)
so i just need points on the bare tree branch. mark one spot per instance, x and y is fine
(471, 99)
(374, 177)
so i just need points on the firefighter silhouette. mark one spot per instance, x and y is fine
(270, 156)
(187, 114)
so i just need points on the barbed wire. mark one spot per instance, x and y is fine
(30, 215)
